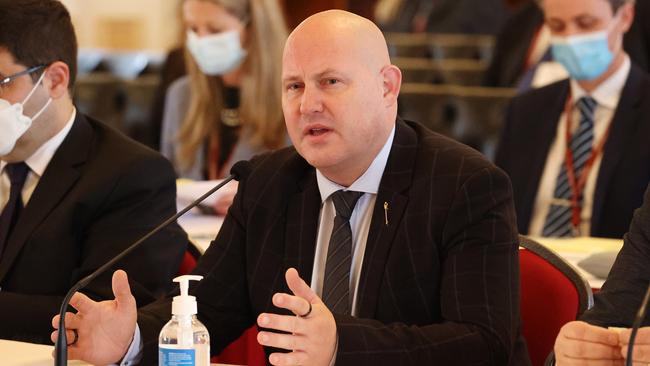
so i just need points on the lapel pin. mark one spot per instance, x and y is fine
(386, 212)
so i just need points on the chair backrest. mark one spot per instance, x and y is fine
(245, 350)
(190, 258)
(553, 293)
(440, 46)
(187, 264)
(408, 44)
(471, 115)
(465, 72)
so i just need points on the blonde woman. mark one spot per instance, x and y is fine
(228, 107)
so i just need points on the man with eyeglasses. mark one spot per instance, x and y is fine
(73, 192)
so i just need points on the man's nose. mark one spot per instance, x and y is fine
(311, 101)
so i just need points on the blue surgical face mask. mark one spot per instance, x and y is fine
(216, 54)
(585, 56)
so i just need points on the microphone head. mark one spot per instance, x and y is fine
(241, 169)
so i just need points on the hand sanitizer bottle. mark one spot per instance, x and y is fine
(184, 340)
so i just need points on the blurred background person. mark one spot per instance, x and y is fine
(441, 16)
(228, 107)
(637, 40)
(584, 138)
(522, 56)
(172, 69)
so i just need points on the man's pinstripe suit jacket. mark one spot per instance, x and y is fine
(439, 284)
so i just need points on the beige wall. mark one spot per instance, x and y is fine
(126, 24)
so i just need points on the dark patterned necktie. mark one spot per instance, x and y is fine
(336, 284)
(17, 173)
(558, 221)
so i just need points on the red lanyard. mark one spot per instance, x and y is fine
(578, 184)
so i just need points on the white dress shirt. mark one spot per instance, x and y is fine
(37, 164)
(607, 96)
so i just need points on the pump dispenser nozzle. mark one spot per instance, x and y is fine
(184, 304)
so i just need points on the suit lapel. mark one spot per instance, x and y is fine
(59, 176)
(302, 226)
(624, 124)
(540, 134)
(394, 183)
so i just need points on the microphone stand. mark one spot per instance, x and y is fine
(640, 315)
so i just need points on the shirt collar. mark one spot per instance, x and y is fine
(608, 93)
(368, 182)
(39, 160)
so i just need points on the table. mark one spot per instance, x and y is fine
(28, 354)
(202, 229)
(573, 250)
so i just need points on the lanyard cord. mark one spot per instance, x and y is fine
(578, 184)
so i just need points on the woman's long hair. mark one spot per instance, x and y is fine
(260, 109)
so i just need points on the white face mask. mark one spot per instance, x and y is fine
(13, 123)
(216, 54)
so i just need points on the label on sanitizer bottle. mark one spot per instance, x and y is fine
(176, 357)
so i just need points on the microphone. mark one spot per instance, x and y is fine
(640, 315)
(239, 171)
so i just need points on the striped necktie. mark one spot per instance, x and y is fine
(558, 221)
(336, 284)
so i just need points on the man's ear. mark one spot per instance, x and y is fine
(392, 82)
(626, 12)
(57, 79)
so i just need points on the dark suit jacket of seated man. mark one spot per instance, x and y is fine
(616, 305)
(98, 194)
(439, 279)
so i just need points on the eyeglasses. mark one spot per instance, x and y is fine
(8, 79)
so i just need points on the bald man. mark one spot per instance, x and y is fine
(371, 241)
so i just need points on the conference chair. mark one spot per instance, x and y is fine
(428, 104)
(461, 46)
(471, 115)
(243, 351)
(480, 115)
(440, 46)
(408, 45)
(553, 293)
(190, 258)
(446, 71)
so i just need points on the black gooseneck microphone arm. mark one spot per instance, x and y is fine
(239, 171)
(640, 315)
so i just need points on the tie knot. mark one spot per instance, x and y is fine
(17, 173)
(344, 202)
(587, 105)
